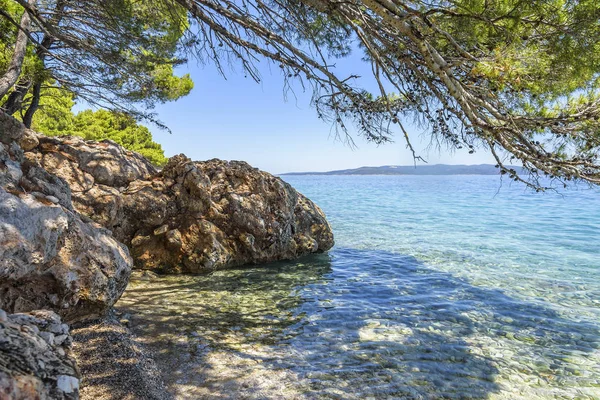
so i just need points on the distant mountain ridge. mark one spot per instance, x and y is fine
(438, 169)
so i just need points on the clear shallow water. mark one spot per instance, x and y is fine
(438, 287)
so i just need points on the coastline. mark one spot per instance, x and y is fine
(77, 217)
(358, 323)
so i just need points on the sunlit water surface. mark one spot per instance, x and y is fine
(438, 287)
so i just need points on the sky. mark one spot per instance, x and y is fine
(238, 119)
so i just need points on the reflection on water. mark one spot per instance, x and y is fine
(356, 325)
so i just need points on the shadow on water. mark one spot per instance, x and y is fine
(358, 324)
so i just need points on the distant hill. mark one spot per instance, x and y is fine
(438, 169)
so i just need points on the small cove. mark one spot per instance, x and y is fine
(437, 287)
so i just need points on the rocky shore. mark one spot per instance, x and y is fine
(35, 357)
(113, 364)
(76, 217)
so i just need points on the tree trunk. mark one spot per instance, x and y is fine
(37, 87)
(15, 99)
(11, 76)
(35, 104)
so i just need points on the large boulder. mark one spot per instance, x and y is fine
(199, 216)
(49, 256)
(191, 216)
(35, 358)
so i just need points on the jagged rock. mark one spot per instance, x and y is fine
(12, 130)
(191, 216)
(35, 358)
(104, 163)
(49, 257)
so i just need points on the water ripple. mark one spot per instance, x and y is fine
(439, 287)
(323, 328)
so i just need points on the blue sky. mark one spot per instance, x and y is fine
(239, 119)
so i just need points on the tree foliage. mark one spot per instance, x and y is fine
(103, 124)
(517, 78)
(114, 54)
(55, 118)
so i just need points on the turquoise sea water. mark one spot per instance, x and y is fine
(438, 287)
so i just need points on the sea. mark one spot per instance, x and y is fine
(438, 287)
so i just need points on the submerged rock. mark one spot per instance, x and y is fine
(50, 257)
(191, 216)
(35, 358)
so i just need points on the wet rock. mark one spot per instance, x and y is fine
(33, 363)
(49, 257)
(143, 275)
(191, 216)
